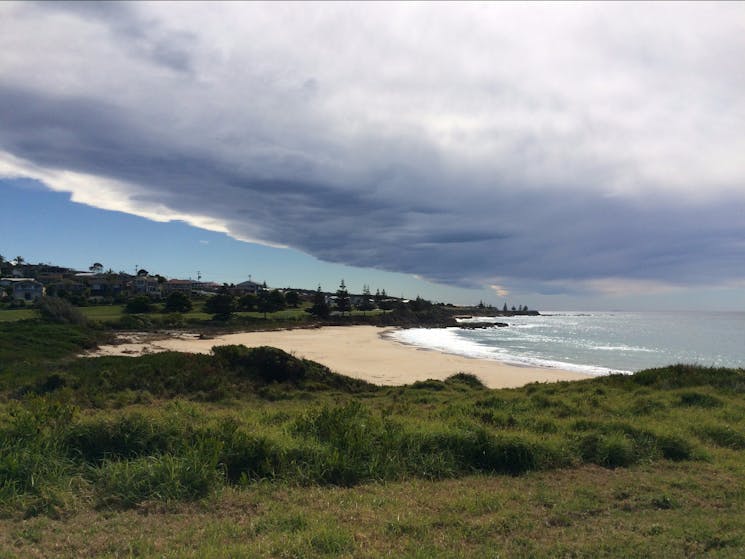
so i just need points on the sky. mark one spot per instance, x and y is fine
(560, 155)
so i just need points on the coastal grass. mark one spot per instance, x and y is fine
(12, 315)
(256, 453)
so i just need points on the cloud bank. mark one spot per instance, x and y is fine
(558, 147)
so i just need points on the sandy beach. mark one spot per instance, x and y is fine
(356, 351)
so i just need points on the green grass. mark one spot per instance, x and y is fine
(30, 341)
(103, 313)
(253, 452)
(12, 315)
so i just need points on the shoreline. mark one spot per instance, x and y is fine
(362, 352)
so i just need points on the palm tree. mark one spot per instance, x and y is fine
(19, 260)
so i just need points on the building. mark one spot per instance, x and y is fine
(184, 286)
(248, 288)
(147, 285)
(23, 289)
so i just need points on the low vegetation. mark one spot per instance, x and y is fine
(254, 452)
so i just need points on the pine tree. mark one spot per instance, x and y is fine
(342, 299)
(320, 307)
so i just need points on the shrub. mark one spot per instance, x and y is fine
(31, 457)
(699, 399)
(128, 436)
(265, 363)
(674, 447)
(55, 309)
(134, 322)
(467, 379)
(722, 435)
(612, 450)
(429, 384)
(189, 476)
(222, 305)
(245, 457)
(178, 302)
(139, 305)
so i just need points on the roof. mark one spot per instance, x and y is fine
(19, 280)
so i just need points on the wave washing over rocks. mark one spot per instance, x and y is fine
(595, 343)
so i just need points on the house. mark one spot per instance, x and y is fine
(248, 288)
(23, 289)
(101, 285)
(184, 286)
(147, 285)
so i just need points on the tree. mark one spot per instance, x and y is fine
(19, 260)
(137, 305)
(504, 309)
(142, 272)
(248, 302)
(292, 299)
(222, 306)
(320, 307)
(54, 309)
(178, 302)
(420, 304)
(96, 268)
(366, 304)
(342, 299)
(271, 301)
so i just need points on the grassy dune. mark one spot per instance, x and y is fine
(254, 453)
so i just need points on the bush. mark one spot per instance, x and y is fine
(265, 363)
(55, 309)
(192, 475)
(722, 435)
(139, 305)
(674, 447)
(31, 457)
(612, 450)
(94, 441)
(467, 379)
(699, 399)
(178, 302)
(245, 457)
(222, 306)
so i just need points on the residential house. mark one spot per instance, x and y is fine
(147, 285)
(23, 289)
(248, 288)
(184, 286)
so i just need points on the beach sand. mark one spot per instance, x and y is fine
(356, 351)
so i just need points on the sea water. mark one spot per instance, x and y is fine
(596, 342)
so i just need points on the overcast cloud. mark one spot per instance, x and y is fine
(566, 147)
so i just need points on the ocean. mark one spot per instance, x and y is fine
(596, 342)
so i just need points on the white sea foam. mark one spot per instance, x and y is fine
(596, 343)
(448, 340)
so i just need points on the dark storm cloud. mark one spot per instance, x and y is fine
(396, 147)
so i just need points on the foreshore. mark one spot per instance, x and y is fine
(362, 352)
